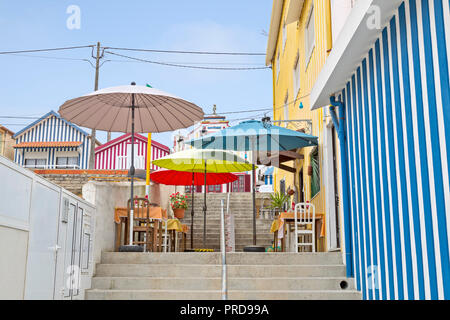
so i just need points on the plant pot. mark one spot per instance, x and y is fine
(179, 213)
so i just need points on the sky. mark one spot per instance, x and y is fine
(34, 83)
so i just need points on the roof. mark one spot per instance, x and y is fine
(277, 10)
(125, 137)
(45, 116)
(350, 47)
(48, 144)
(3, 128)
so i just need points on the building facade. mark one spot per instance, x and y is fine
(116, 154)
(6, 143)
(300, 40)
(388, 79)
(52, 143)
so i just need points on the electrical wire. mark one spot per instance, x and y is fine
(50, 49)
(189, 52)
(46, 57)
(185, 66)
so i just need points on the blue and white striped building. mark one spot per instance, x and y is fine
(52, 143)
(391, 89)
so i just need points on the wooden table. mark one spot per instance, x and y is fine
(174, 226)
(288, 219)
(121, 218)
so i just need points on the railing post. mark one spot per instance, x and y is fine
(223, 250)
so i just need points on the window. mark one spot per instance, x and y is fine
(315, 178)
(296, 77)
(278, 65)
(286, 109)
(215, 188)
(309, 36)
(284, 36)
(35, 163)
(66, 162)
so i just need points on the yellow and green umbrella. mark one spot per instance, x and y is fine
(204, 160)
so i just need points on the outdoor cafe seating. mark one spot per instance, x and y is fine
(152, 228)
(297, 230)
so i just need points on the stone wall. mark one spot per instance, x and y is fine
(73, 180)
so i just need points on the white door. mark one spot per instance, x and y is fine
(135, 155)
(68, 266)
(332, 218)
(43, 246)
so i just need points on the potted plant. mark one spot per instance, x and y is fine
(278, 201)
(178, 202)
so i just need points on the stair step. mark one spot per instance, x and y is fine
(255, 258)
(214, 271)
(98, 294)
(252, 283)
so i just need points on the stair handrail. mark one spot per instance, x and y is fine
(223, 250)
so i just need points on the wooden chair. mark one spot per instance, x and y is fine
(304, 226)
(143, 228)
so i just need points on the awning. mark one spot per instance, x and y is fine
(48, 144)
(276, 159)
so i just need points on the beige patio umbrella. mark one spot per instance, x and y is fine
(131, 109)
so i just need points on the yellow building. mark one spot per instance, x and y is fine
(299, 43)
(6, 143)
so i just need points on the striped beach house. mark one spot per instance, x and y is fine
(386, 86)
(52, 143)
(116, 154)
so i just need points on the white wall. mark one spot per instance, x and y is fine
(340, 9)
(30, 224)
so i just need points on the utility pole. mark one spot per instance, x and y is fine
(93, 132)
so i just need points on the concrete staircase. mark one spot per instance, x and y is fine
(241, 207)
(197, 276)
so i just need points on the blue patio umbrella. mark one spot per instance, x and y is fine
(254, 135)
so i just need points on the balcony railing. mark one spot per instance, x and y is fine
(53, 166)
(124, 162)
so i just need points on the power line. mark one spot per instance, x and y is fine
(233, 112)
(185, 66)
(46, 57)
(189, 52)
(185, 62)
(50, 49)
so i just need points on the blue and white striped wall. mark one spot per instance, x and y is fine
(398, 132)
(51, 127)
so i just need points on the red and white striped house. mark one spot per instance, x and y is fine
(116, 154)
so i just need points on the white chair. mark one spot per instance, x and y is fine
(304, 225)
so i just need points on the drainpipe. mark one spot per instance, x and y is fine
(340, 127)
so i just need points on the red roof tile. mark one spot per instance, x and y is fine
(48, 144)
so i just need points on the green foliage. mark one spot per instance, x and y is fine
(278, 200)
(178, 201)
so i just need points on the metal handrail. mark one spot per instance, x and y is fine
(223, 250)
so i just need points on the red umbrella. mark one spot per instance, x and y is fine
(184, 178)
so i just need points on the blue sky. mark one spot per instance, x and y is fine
(33, 86)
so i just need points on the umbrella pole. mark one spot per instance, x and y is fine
(204, 211)
(254, 191)
(254, 203)
(132, 172)
(192, 212)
